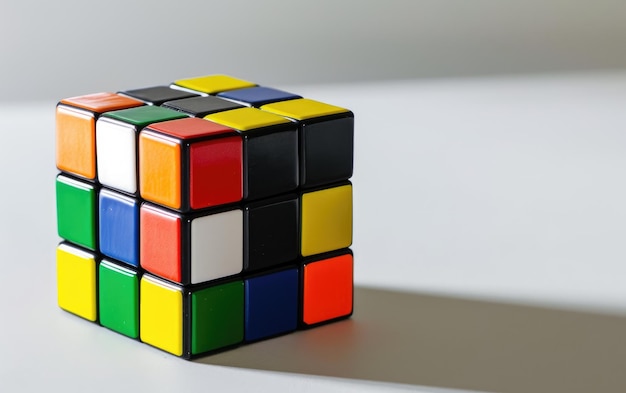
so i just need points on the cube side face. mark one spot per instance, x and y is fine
(216, 246)
(119, 227)
(217, 317)
(271, 233)
(118, 299)
(327, 289)
(161, 315)
(327, 151)
(160, 239)
(271, 304)
(160, 169)
(76, 211)
(326, 220)
(116, 154)
(76, 281)
(215, 172)
(75, 141)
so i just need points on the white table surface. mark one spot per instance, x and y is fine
(490, 219)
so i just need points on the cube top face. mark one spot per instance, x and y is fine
(326, 220)
(190, 164)
(246, 119)
(76, 281)
(202, 106)
(327, 288)
(102, 102)
(157, 95)
(142, 116)
(76, 211)
(212, 84)
(257, 96)
(191, 128)
(303, 109)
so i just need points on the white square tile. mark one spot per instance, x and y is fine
(116, 154)
(216, 246)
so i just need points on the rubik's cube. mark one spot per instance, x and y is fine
(204, 214)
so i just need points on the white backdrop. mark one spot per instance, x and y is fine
(68, 47)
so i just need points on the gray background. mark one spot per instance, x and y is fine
(52, 50)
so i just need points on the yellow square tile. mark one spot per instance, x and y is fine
(161, 315)
(245, 119)
(303, 108)
(326, 220)
(212, 84)
(76, 281)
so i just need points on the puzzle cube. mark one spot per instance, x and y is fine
(116, 141)
(326, 139)
(203, 215)
(190, 164)
(76, 130)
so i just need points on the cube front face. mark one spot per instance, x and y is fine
(205, 214)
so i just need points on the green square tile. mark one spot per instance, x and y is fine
(76, 211)
(119, 299)
(144, 115)
(216, 317)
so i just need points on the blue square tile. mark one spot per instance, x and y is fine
(271, 304)
(119, 227)
(257, 96)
